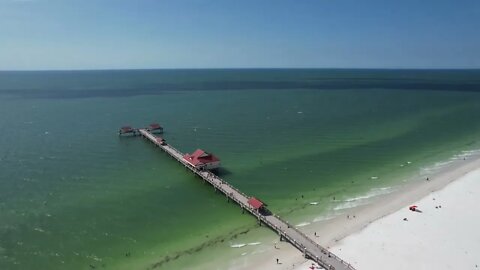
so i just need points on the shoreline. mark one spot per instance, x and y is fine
(334, 233)
(442, 236)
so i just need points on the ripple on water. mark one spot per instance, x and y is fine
(323, 218)
(303, 224)
(361, 200)
(39, 230)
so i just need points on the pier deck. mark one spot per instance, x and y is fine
(287, 232)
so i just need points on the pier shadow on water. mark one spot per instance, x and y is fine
(265, 212)
(221, 172)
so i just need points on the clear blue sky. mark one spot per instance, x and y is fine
(98, 34)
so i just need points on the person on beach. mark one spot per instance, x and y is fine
(277, 261)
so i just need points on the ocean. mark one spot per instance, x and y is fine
(75, 195)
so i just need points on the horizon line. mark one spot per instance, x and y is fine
(246, 68)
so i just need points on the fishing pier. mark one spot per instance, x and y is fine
(287, 232)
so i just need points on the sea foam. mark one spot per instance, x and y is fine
(363, 199)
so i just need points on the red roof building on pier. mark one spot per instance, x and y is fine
(155, 127)
(202, 159)
(126, 129)
(255, 203)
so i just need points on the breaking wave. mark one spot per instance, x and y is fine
(363, 199)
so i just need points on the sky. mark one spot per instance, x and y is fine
(135, 34)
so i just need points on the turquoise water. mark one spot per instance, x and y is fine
(73, 195)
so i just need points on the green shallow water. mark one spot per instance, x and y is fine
(73, 195)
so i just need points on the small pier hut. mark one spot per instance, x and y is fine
(155, 128)
(202, 160)
(126, 130)
(255, 203)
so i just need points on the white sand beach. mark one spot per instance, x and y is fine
(443, 236)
